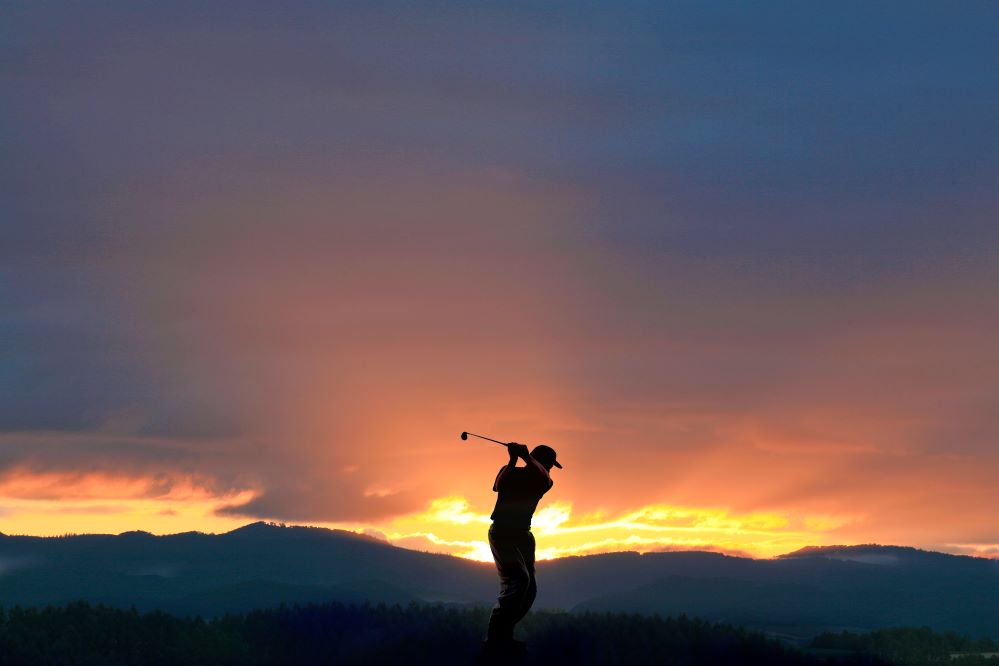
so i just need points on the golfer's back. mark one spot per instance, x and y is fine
(520, 489)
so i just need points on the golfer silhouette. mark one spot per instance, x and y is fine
(518, 491)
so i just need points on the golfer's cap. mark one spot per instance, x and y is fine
(545, 454)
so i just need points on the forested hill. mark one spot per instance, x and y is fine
(262, 565)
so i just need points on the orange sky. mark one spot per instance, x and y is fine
(268, 266)
(59, 504)
(326, 381)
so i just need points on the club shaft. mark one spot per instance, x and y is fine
(472, 434)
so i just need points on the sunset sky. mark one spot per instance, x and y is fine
(738, 263)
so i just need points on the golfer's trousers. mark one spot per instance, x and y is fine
(513, 550)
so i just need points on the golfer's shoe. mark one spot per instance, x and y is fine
(506, 648)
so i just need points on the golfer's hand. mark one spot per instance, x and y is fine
(517, 450)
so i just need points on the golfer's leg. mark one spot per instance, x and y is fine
(531, 595)
(514, 584)
(526, 548)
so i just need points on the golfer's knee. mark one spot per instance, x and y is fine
(517, 585)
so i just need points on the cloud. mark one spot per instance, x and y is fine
(990, 550)
(452, 525)
(318, 504)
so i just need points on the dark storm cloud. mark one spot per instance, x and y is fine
(317, 501)
(58, 451)
(704, 218)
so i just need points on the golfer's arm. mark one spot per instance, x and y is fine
(502, 473)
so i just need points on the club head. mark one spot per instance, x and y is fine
(464, 435)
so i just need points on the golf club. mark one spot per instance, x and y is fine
(465, 435)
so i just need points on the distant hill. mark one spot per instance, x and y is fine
(262, 565)
(840, 587)
(254, 566)
(877, 554)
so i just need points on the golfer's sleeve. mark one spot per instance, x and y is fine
(496, 482)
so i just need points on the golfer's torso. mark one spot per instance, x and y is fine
(519, 492)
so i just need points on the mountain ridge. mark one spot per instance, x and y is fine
(274, 529)
(264, 564)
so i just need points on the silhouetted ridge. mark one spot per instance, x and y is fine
(263, 564)
(883, 555)
(265, 530)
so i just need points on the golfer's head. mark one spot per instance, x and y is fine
(546, 456)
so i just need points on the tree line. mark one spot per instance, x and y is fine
(912, 646)
(82, 634)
